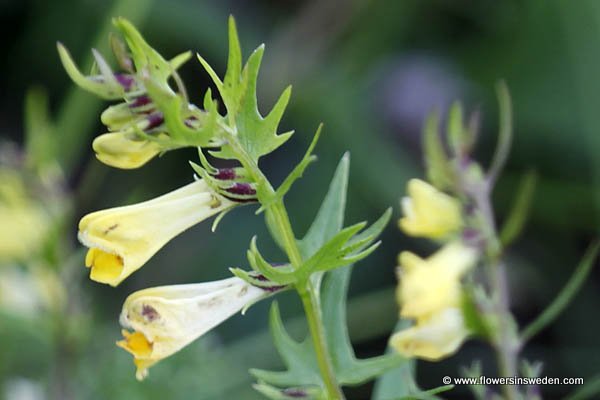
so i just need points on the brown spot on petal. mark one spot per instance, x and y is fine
(149, 313)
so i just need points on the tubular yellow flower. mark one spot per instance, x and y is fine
(166, 319)
(122, 239)
(428, 212)
(432, 338)
(123, 150)
(427, 286)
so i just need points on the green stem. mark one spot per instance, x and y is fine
(506, 342)
(308, 293)
(285, 227)
(566, 294)
(317, 331)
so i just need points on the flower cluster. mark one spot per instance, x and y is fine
(152, 118)
(429, 290)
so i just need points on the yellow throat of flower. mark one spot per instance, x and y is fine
(106, 267)
(135, 343)
(140, 347)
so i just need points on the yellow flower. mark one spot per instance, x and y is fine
(124, 150)
(429, 212)
(432, 338)
(429, 285)
(122, 239)
(24, 222)
(166, 319)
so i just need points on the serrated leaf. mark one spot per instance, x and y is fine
(256, 134)
(299, 357)
(350, 370)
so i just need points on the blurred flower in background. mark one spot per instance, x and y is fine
(374, 70)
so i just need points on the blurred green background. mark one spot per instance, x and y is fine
(371, 71)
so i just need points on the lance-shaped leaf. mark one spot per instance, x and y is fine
(279, 275)
(436, 159)
(299, 357)
(346, 247)
(255, 134)
(145, 57)
(296, 173)
(104, 86)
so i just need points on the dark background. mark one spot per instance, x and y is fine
(371, 71)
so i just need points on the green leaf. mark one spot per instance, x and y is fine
(144, 56)
(39, 129)
(108, 90)
(399, 383)
(299, 357)
(568, 292)
(505, 132)
(330, 217)
(295, 174)
(520, 210)
(590, 390)
(436, 160)
(427, 394)
(349, 369)
(456, 128)
(176, 111)
(281, 275)
(255, 134)
(307, 393)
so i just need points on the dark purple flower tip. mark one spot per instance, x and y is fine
(470, 234)
(154, 120)
(294, 392)
(140, 101)
(241, 189)
(262, 278)
(225, 174)
(125, 80)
